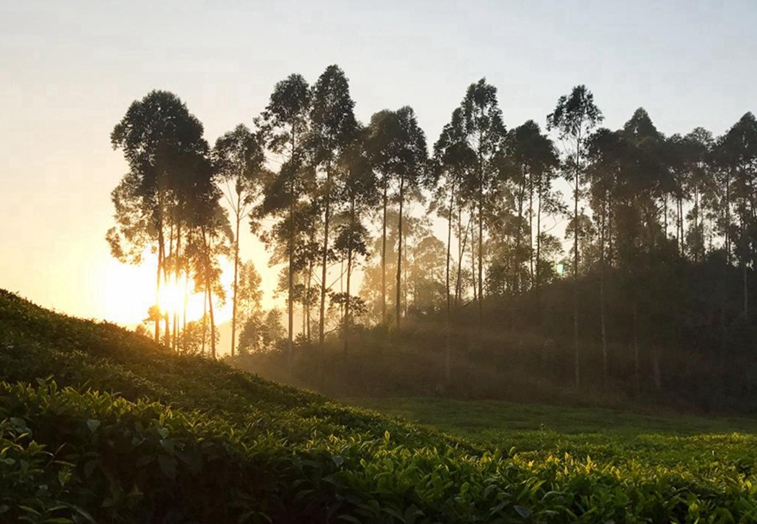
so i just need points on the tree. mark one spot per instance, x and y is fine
(739, 151)
(532, 159)
(574, 118)
(284, 125)
(333, 129)
(484, 133)
(358, 189)
(163, 145)
(239, 159)
(453, 161)
(398, 148)
(249, 291)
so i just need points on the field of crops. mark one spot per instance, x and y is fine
(100, 425)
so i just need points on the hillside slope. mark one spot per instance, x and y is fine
(101, 425)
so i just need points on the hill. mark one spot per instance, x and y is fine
(98, 424)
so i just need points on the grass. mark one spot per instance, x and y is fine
(101, 425)
(613, 437)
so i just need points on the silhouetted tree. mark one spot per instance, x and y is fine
(574, 118)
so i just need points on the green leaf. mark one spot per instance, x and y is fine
(93, 424)
(168, 466)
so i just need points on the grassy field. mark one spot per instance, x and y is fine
(98, 424)
(613, 437)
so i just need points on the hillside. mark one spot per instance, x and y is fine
(101, 425)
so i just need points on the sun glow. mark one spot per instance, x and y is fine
(177, 298)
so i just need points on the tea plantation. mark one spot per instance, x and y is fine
(101, 425)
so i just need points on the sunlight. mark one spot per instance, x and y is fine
(177, 295)
(129, 291)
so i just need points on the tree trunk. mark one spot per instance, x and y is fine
(577, 355)
(636, 355)
(349, 276)
(480, 262)
(448, 319)
(159, 312)
(235, 301)
(290, 282)
(398, 304)
(324, 262)
(605, 364)
(537, 278)
(383, 253)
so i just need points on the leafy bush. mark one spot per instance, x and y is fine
(101, 425)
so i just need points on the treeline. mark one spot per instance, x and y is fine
(654, 224)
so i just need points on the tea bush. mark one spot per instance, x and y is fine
(98, 424)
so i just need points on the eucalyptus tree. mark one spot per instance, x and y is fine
(284, 125)
(358, 189)
(574, 117)
(532, 158)
(484, 133)
(697, 151)
(453, 162)
(397, 149)
(239, 159)
(606, 156)
(641, 242)
(333, 129)
(163, 145)
(740, 155)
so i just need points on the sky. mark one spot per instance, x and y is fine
(69, 70)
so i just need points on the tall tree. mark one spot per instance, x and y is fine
(453, 161)
(398, 148)
(358, 189)
(574, 118)
(740, 156)
(239, 159)
(484, 133)
(284, 125)
(164, 147)
(333, 129)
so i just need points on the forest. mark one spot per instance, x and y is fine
(554, 260)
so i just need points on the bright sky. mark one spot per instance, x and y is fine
(69, 70)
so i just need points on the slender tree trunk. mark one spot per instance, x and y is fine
(290, 283)
(537, 278)
(177, 274)
(166, 280)
(605, 364)
(324, 262)
(746, 289)
(347, 311)
(207, 241)
(576, 227)
(531, 229)
(307, 299)
(518, 242)
(235, 301)
(204, 319)
(462, 241)
(159, 312)
(448, 319)
(473, 262)
(636, 355)
(383, 252)
(398, 304)
(212, 325)
(480, 262)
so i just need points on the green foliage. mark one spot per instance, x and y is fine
(101, 425)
